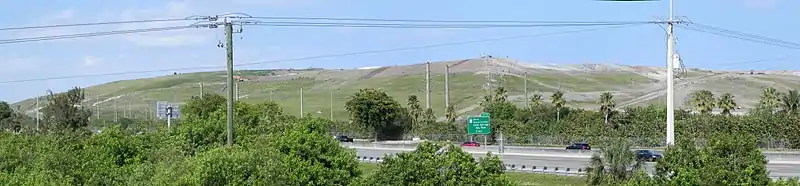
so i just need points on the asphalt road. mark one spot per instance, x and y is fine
(777, 168)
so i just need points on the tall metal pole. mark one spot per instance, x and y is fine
(116, 111)
(446, 86)
(427, 85)
(236, 94)
(301, 103)
(201, 91)
(229, 52)
(97, 106)
(670, 78)
(525, 86)
(37, 111)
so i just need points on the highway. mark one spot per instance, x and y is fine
(779, 166)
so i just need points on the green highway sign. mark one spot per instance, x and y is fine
(486, 114)
(479, 125)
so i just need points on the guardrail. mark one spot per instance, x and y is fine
(511, 168)
(772, 155)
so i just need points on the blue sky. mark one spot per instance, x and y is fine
(640, 45)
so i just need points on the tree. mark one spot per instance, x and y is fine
(536, 101)
(450, 114)
(202, 107)
(558, 101)
(415, 110)
(376, 111)
(437, 164)
(726, 103)
(64, 111)
(703, 101)
(770, 99)
(9, 120)
(315, 157)
(614, 165)
(606, 105)
(790, 102)
(727, 159)
(428, 117)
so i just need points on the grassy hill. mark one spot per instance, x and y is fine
(582, 84)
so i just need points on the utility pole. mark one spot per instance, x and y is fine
(427, 85)
(525, 86)
(37, 111)
(670, 77)
(446, 86)
(229, 52)
(301, 103)
(116, 110)
(201, 90)
(236, 85)
(97, 106)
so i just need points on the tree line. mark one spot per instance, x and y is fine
(773, 122)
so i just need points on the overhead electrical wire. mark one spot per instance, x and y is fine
(445, 21)
(395, 25)
(92, 34)
(320, 56)
(100, 23)
(739, 35)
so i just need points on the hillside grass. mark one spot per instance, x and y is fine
(466, 89)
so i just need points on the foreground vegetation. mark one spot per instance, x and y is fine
(273, 148)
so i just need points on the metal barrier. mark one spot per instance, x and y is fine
(565, 171)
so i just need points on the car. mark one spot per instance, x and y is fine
(470, 144)
(647, 155)
(579, 146)
(343, 138)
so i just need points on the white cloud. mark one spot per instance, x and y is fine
(89, 61)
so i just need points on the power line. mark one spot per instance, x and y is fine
(445, 21)
(394, 25)
(740, 35)
(101, 23)
(93, 34)
(321, 56)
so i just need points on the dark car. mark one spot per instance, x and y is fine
(579, 146)
(343, 138)
(470, 144)
(647, 155)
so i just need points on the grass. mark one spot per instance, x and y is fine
(519, 177)
(466, 89)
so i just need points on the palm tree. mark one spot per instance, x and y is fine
(450, 114)
(726, 103)
(558, 102)
(703, 101)
(790, 101)
(536, 101)
(613, 165)
(606, 105)
(770, 99)
(500, 95)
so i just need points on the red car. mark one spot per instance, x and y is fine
(470, 144)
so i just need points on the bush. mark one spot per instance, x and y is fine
(436, 164)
